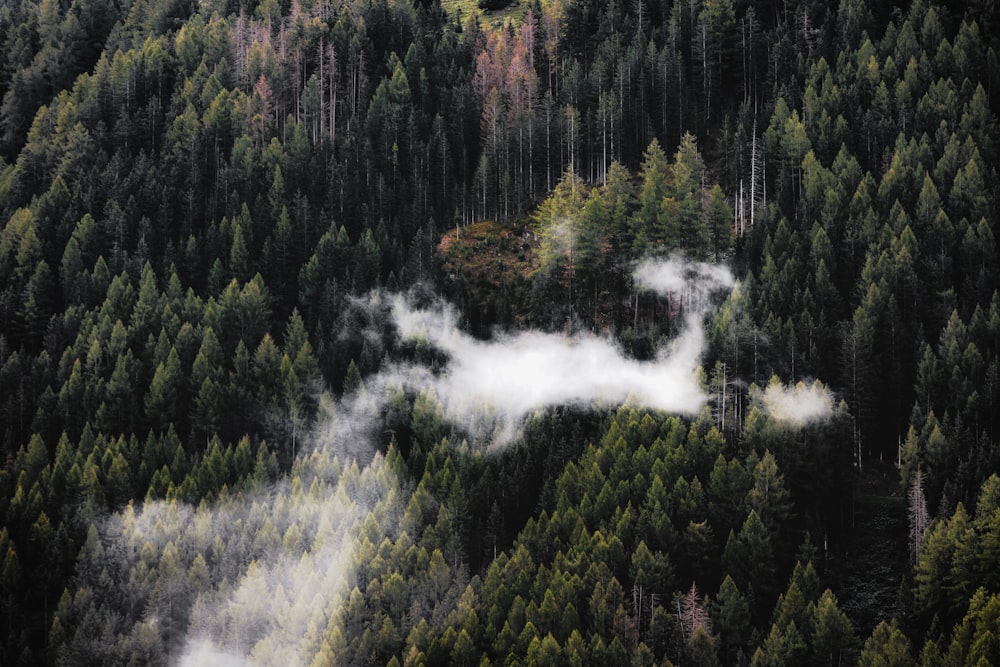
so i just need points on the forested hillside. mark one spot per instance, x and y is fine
(367, 332)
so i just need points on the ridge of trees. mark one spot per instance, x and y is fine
(191, 194)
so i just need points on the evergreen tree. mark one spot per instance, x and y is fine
(887, 647)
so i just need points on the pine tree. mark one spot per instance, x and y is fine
(731, 619)
(833, 640)
(161, 399)
(769, 496)
(689, 232)
(645, 223)
(887, 647)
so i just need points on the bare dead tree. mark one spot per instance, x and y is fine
(693, 614)
(919, 517)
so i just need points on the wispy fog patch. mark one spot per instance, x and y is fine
(517, 374)
(488, 388)
(258, 576)
(255, 578)
(514, 376)
(677, 275)
(800, 405)
(301, 561)
(561, 236)
(204, 654)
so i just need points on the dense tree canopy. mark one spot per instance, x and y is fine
(195, 199)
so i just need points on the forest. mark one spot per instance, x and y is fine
(583, 332)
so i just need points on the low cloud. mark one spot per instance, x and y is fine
(800, 405)
(486, 387)
(204, 654)
(680, 276)
(512, 376)
(279, 563)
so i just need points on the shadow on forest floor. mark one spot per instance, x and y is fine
(872, 559)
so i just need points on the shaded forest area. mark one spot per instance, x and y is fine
(195, 195)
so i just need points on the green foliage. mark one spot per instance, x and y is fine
(887, 647)
(191, 196)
